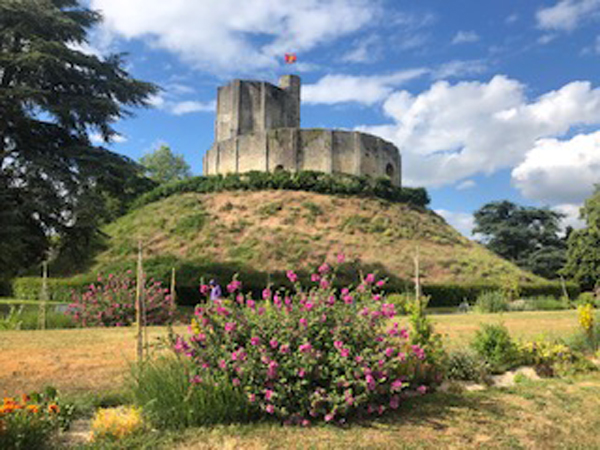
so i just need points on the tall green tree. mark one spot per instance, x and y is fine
(52, 96)
(529, 237)
(583, 254)
(163, 166)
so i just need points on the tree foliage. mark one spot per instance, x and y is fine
(583, 255)
(163, 166)
(527, 236)
(52, 96)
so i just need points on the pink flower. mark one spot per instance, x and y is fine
(397, 385)
(419, 352)
(285, 348)
(252, 398)
(404, 333)
(359, 359)
(308, 306)
(389, 352)
(315, 277)
(350, 400)
(268, 394)
(328, 417)
(273, 343)
(230, 327)
(377, 297)
(261, 311)
(380, 283)
(292, 276)
(305, 348)
(324, 284)
(250, 303)
(370, 278)
(305, 423)
(255, 341)
(204, 289)
(266, 294)
(402, 356)
(422, 389)
(196, 379)
(338, 344)
(345, 352)
(236, 381)
(222, 364)
(341, 258)
(270, 409)
(303, 322)
(348, 299)
(301, 373)
(323, 269)
(381, 409)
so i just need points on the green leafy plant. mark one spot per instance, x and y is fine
(493, 343)
(162, 387)
(491, 302)
(466, 365)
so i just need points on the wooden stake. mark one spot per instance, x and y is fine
(43, 297)
(417, 278)
(173, 289)
(139, 302)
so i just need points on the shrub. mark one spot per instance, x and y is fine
(162, 388)
(30, 421)
(494, 344)
(538, 304)
(466, 365)
(334, 184)
(117, 423)
(59, 289)
(26, 317)
(588, 298)
(491, 302)
(554, 358)
(319, 354)
(111, 302)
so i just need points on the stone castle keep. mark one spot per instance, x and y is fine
(258, 128)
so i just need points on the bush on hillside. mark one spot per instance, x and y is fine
(319, 354)
(59, 289)
(323, 183)
(111, 302)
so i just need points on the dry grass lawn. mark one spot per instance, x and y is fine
(97, 359)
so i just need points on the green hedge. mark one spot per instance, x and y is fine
(59, 289)
(323, 183)
(450, 294)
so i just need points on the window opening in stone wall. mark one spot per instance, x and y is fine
(389, 170)
(279, 168)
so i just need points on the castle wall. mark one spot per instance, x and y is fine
(296, 149)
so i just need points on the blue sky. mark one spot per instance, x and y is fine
(486, 100)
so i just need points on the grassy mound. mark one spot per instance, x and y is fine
(263, 233)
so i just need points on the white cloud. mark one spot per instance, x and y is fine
(367, 90)
(221, 36)
(452, 132)
(567, 15)
(365, 50)
(463, 222)
(572, 216)
(97, 139)
(466, 184)
(191, 106)
(562, 172)
(464, 37)
(460, 68)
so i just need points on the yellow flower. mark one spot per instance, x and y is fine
(117, 422)
(33, 409)
(586, 317)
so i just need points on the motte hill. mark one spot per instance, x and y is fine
(267, 232)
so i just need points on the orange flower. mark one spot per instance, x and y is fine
(25, 398)
(9, 400)
(33, 409)
(53, 408)
(6, 409)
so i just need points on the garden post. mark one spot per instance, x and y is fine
(139, 302)
(43, 297)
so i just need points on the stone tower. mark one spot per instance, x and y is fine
(258, 128)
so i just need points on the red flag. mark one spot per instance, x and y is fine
(290, 58)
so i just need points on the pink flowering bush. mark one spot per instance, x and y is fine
(319, 354)
(111, 302)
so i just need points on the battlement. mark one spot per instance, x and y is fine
(247, 107)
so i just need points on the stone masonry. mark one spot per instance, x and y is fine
(258, 128)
